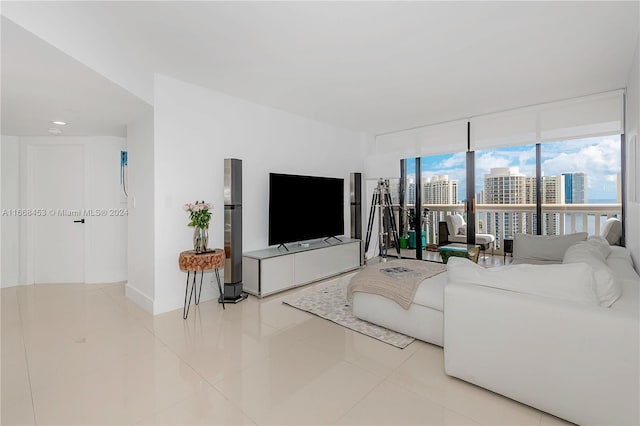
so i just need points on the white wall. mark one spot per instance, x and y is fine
(105, 236)
(106, 247)
(195, 130)
(140, 285)
(10, 200)
(632, 134)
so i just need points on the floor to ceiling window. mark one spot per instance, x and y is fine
(505, 191)
(581, 184)
(544, 170)
(580, 188)
(442, 192)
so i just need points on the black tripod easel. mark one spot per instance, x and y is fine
(382, 201)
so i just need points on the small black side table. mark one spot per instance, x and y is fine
(508, 247)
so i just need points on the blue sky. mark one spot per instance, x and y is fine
(598, 157)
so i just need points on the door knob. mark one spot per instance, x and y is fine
(79, 221)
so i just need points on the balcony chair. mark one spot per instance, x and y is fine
(456, 232)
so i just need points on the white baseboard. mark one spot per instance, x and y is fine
(141, 299)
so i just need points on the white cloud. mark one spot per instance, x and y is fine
(596, 160)
(523, 159)
(457, 159)
(599, 159)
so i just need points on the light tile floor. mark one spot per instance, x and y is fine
(85, 354)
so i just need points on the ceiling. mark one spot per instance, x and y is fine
(40, 84)
(366, 66)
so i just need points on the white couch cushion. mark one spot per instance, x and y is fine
(544, 248)
(484, 239)
(430, 294)
(618, 252)
(582, 251)
(608, 289)
(572, 282)
(600, 244)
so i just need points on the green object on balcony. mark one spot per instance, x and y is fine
(412, 239)
(403, 242)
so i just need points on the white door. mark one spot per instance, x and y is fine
(58, 190)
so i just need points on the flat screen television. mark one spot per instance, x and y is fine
(304, 208)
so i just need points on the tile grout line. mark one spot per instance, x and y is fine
(360, 400)
(408, 389)
(203, 379)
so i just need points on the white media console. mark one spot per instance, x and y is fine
(272, 270)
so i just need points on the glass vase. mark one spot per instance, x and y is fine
(200, 239)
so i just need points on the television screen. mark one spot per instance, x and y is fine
(304, 208)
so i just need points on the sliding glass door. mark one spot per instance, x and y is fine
(440, 185)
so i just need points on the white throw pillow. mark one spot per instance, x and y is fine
(584, 252)
(608, 289)
(548, 248)
(612, 230)
(572, 282)
(600, 244)
(462, 230)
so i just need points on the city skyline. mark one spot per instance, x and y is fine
(598, 157)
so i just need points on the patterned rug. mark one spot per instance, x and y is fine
(329, 301)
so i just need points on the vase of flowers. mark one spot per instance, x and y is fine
(199, 216)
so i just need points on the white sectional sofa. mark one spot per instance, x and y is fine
(562, 343)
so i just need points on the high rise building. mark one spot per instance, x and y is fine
(575, 188)
(509, 186)
(411, 192)
(505, 185)
(530, 191)
(440, 190)
(553, 190)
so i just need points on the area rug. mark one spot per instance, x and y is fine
(329, 301)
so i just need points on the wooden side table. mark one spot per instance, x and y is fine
(190, 261)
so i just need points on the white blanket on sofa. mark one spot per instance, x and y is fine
(402, 289)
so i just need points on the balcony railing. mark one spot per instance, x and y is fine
(504, 220)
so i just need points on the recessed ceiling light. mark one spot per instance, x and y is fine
(55, 131)
(60, 123)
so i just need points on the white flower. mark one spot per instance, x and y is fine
(199, 214)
